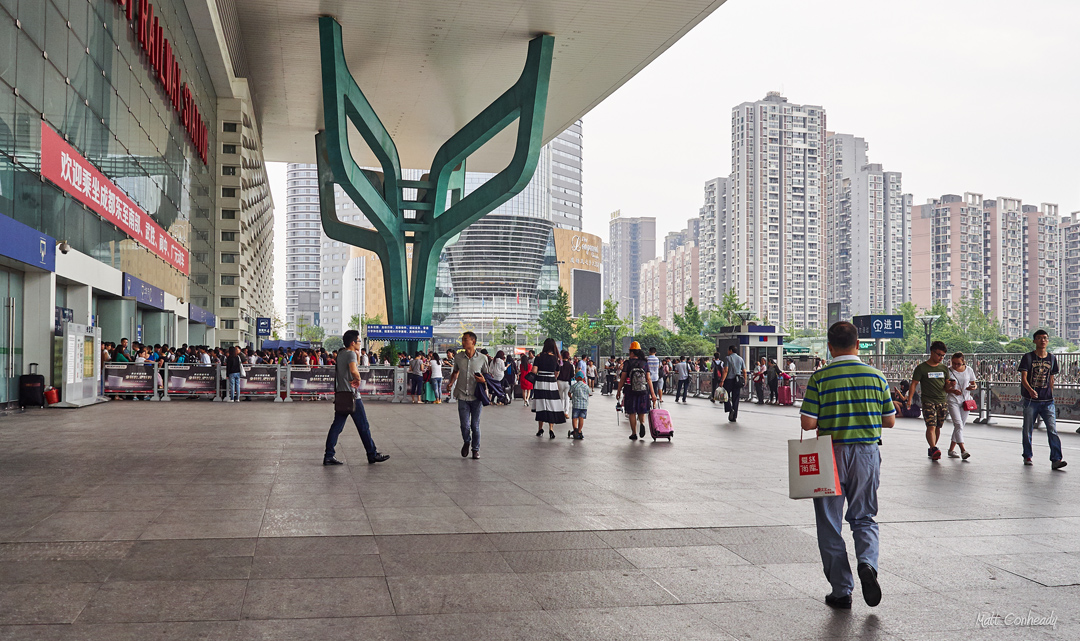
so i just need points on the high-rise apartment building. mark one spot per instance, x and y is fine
(867, 239)
(303, 248)
(1017, 256)
(566, 157)
(633, 243)
(245, 287)
(947, 259)
(652, 295)
(683, 279)
(715, 241)
(1069, 234)
(1042, 273)
(774, 223)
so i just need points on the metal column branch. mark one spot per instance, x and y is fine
(441, 209)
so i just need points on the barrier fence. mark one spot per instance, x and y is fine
(283, 383)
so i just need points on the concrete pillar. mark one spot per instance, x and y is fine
(80, 298)
(39, 313)
(117, 319)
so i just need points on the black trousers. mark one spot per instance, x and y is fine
(734, 390)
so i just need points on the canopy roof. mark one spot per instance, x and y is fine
(429, 66)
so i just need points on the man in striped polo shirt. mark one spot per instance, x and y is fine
(850, 402)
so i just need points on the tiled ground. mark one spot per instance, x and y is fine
(198, 520)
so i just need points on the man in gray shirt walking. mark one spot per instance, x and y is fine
(682, 371)
(468, 371)
(734, 378)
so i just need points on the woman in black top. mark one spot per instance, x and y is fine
(637, 404)
(233, 368)
(546, 400)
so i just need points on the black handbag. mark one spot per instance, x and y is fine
(531, 377)
(344, 402)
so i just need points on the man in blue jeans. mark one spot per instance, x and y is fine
(1037, 371)
(850, 402)
(347, 379)
(468, 371)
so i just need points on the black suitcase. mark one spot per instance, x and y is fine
(32, 388)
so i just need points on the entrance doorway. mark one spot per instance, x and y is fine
(11, 330)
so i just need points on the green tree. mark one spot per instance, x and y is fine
(725, 314)
(989, 347)
(555, 320)
(312, 333)
(333, 344)
(653, 334)
(508, 335)
(1020, 345)
(610, 317)
(690, 322)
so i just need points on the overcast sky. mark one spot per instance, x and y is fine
(958, 95)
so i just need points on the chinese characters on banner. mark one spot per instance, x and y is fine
(61, 164)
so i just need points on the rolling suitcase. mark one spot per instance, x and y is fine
(32, 388)
(784, 396)
(660, 423)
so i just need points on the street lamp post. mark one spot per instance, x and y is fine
(612, 329)
(928, 325)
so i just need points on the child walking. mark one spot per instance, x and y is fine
(579, 401)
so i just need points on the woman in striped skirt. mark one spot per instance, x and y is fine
(546, 399)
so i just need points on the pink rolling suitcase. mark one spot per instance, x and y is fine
(660, 423)
(783, 395)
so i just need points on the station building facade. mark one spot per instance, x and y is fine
(133, 195)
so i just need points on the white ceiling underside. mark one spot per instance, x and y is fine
(429, 66)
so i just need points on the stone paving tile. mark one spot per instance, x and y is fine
(155, 601)
(22, 603)
(317, 598)
(381, 628)
(132, 535)
(459, 593)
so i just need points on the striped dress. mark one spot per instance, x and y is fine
(546, 399)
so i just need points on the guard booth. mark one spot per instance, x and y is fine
(752, 342)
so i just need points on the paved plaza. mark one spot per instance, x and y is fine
(198, 520)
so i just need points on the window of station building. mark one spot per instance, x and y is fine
(201, 279)
(230, 258)
(202, 213)
(228, 236)
(202, 234)
(228, 324)
(228, 192)
(228, 170)
(228, 302)
(230, 127)
(228, 149)
(228, 280)
(228, 214)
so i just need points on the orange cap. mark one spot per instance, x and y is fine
(635, 345)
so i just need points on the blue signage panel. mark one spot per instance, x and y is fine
(399, 332)
(879, 326)
(143, 292)
(200, 315)
(262, 326)
(26, 244)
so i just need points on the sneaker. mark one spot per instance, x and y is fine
(936, 455)
(1027, 461)
(1057, 465)
(465, 450)
(378, 458)
(871, 591)
(332, 461)
(965, 455)
(838, 602)
(953, 454)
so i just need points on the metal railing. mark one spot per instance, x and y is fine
(997, 368)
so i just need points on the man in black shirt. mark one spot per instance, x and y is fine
(1037, 370)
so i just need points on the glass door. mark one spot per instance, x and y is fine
(10, 334)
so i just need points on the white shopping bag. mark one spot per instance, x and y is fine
(812, 468)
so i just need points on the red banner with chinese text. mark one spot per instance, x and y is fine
(64, 166)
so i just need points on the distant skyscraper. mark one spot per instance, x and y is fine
(867, 231)
(714, 240)
(633, 243)
(948, 262)
(303, 236)
(774, 223)
(1042, 268)
(1070, 281)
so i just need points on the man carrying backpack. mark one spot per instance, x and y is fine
(734, 378)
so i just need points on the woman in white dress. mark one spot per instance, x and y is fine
(962, 379)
